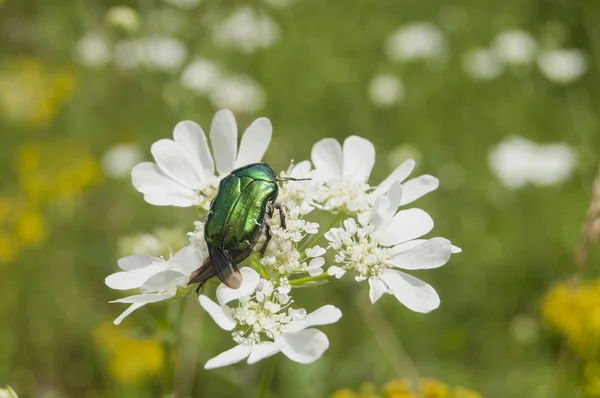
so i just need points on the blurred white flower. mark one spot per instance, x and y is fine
(165, 20)
(246, 31)
(184, 4)
(280, 3)
(118, 160)
(93, 50)
(385, 90)
(160, 53)
(515, 47)
(123, 17)
(148, 244)
(184, 172)
(260, 325)
(384, 240)
(8, 392)
(158, 279)
(563, 66)
(344, 173)
(238, 93)
(517, 161)
(482, 64)
(416, 41)
(524, 328)
(201, 76)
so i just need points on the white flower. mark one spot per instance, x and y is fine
(262, 328)
(515, 47)
(158, 279)
(384, 241)
(385, 90)
(482, 64)
(123, 17)
(345, 171)
(238, 92)
(184, 4)
(247, 31)
(184, 173)
(162, 53)
(282, 253)
(416, 41)
(93, 50)
(8, 392)
(201, 76)
(517, 161)
(118, 160)
(563, 66)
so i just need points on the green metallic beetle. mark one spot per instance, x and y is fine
(237, 219)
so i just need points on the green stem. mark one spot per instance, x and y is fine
(267, 377)
(316, 237)
(170, 342)
(308, 279)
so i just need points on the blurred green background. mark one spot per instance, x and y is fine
(78, 78)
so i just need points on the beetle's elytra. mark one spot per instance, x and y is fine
(236, 220)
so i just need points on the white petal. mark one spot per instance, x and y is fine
(190, 137)
(217, 313)
(223, 136)
(410, 291)
(132, 279)
(165, 280)
(417, 187)
(326, 155)
(250, 280)
(387, 205)
(325, 315)
(160, 190)
(359, 158)
(406, 225)
(433, 253)
(263, 350)
(187, 260)
(127, 312)
(229, 357)
(301, 169)
(144, 298)
(255, 142)
(131, 263)
(399, 174)
(456, 249)
(315, 271)
(376, 288)
(305, 346)
(316, 262)
(336, 271)
(174, 163)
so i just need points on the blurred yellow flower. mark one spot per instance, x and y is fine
(576, 313)
(30, 94)
(130, 359)
(428, 388)
(55, 171)
(20, 226)
(432, 388)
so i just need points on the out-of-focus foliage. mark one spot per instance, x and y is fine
(86, 87)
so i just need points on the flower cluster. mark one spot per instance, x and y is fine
(367, 236)
(427, 388)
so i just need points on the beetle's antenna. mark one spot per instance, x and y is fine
(293, 179)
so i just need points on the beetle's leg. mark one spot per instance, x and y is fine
(281, 214)
(266, 229)
(267, 239)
